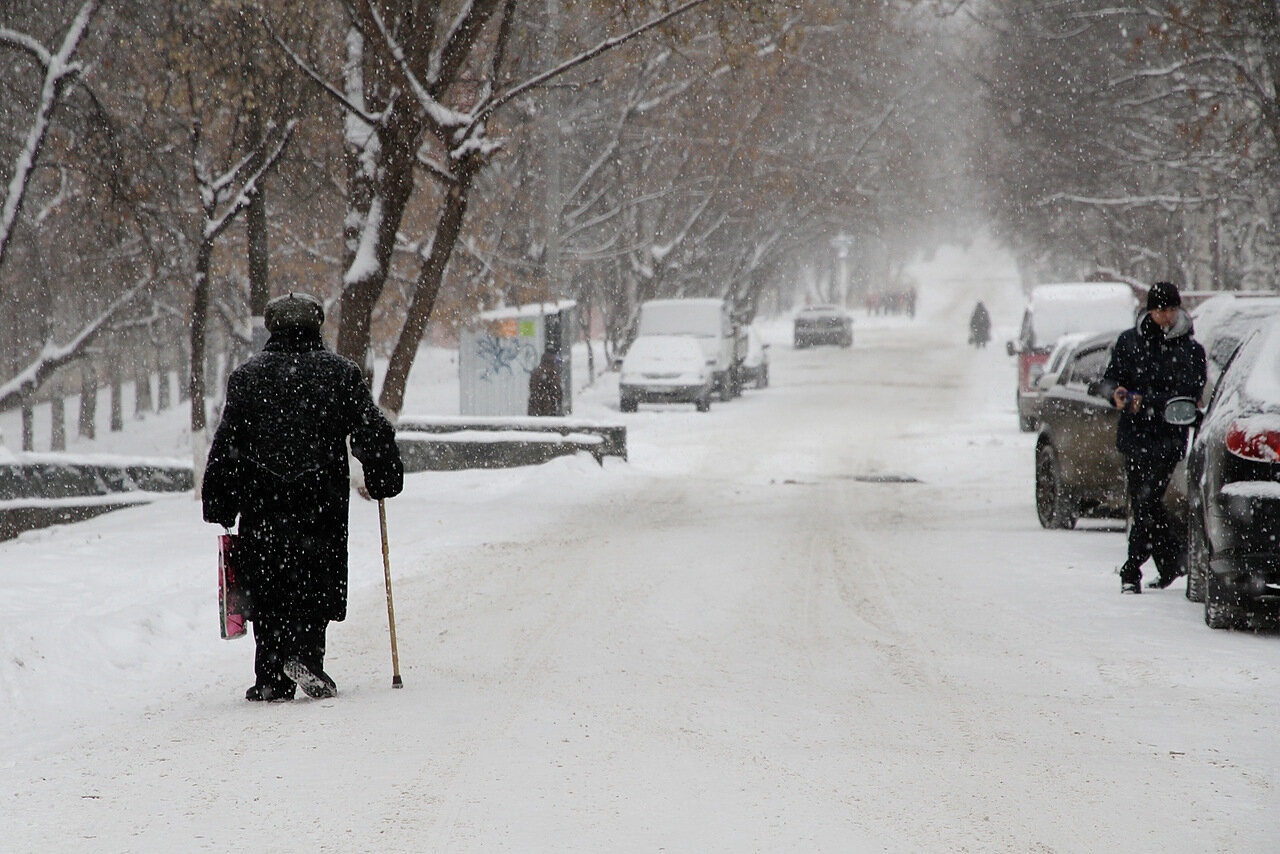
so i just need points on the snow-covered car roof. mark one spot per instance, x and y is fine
(1222, 322)
(1243, 307)
(1059, 309)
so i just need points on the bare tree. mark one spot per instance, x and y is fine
(60, 70)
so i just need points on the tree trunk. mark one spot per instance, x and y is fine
(367, 265)
(57, 419)
(184, 365)
(142, 401)
(86, 426)
(428, 287)
(199, 319)
(117, 401)
(164, 396)
(28, 423)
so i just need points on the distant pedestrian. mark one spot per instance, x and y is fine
(1151, 363)
(979, 326)
(279, 463)
(546, 395)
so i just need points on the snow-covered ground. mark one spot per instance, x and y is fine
(819, 618)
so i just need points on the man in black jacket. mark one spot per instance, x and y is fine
(279, 462)
(1153, 362)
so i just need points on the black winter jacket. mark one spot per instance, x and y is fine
(279, 462)
(1158, 365)
(545, 395)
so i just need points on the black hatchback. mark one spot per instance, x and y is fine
(823, 324)
(1233, 478)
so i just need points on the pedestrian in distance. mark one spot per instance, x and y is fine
(279, 463)
(1156, 360)
(546, 396)
(979, 326)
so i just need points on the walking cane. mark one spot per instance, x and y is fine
(391, 611)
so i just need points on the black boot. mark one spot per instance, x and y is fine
(314, 682)
(269, 694)
(1130, 579)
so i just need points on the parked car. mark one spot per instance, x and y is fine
(1233, 478)
(1223, 321)
(708, 321)
(1056, 310)
(1078, 471)
(755, 366)
(823, 324)
(1048, 378)
(666, 369)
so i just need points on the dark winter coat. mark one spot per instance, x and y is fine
(279, 462)
(979, 325)
(546, 397)
(1158, 365)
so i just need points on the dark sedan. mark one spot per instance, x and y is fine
(1233, 477)
(823, 324)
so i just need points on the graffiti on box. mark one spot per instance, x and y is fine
(501, 356)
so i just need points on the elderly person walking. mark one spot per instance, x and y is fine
(279, 462)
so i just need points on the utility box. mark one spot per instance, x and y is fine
(501, 348)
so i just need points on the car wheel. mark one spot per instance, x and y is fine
(703, 404)
(627, 404)
(1053, 505)
(1222, 609)
(1197, 556)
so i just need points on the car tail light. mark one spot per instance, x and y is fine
(1254, 443)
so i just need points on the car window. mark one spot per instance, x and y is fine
(1087, 367)
(1220, 351)
(1056, 359)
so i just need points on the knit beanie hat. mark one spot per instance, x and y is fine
(297, 310)
(1163, 295)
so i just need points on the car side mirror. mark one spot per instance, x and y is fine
(1008, 348)
(1181, 412)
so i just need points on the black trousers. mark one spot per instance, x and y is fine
(1153, 534)
(279, 638)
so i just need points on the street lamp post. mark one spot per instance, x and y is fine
(841, 243)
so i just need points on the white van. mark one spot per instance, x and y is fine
(710, 322)
(1060, 309)
(665, 369)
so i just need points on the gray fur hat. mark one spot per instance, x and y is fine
(300, 310)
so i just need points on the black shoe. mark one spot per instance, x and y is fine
(269, 694)
(1130, 587)
(314, 683)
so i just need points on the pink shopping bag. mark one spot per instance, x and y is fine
(232, 597)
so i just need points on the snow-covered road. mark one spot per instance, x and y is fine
(819, 618)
